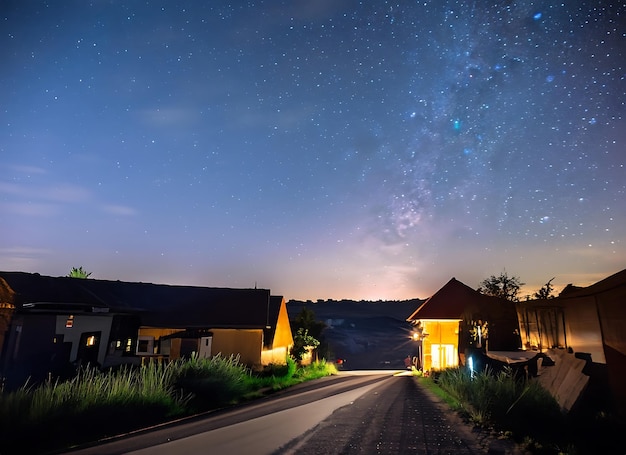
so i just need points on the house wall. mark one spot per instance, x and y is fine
(583, 329)
(31, 351)
(594, 324)
(6, 314)
(85, 324)
(440, 346)
(612, 313)
(156, 332)
(276, 356)
(277, 352)
(542, 327)
(247, 344)
(577, 317)
(283, 338)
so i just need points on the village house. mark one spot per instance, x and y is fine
(59, 322)
(584, 323)
(457, 320)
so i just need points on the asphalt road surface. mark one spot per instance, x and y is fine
(373, 412)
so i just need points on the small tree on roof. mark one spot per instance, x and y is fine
(79, 273)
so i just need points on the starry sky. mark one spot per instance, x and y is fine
(319, 148)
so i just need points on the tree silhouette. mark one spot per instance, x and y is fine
(546, 291)
(503, 286)
(305, 319)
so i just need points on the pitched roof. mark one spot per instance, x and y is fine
(452, 301)
(608, 283)
(157, 305)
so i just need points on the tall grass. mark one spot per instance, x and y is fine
(91, 405)
(503, 401)
(212, 382)
(96, 404)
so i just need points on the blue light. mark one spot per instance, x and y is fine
(537, 16)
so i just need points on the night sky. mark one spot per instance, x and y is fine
(319, 148)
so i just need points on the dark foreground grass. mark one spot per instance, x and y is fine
(525, 412)
(95, 405)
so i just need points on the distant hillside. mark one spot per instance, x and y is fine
(366, 334)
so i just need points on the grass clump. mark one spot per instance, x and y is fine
(89, 406)
(211, 382)
(97, 404)
(315, 370)
(501, 401)
(278, 377)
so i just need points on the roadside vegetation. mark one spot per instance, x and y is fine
(97, 404)
(513, 408)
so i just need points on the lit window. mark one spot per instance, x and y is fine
(91, 341)
(69, 323)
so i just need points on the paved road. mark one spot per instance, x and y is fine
(395, 417)
(356, 413)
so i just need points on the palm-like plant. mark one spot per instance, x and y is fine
(79, 273)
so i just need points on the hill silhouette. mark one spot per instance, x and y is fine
(365, 334)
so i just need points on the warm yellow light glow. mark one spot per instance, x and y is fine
(69, 323)
(441, 320)
(91, 340)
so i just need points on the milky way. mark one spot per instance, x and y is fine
(318, 148)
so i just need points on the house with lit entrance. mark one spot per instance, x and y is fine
(61, 321)
(587, 323)
(458, 319)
